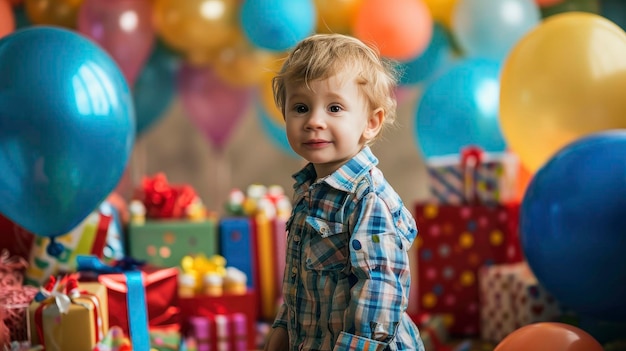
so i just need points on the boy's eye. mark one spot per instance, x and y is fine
(301, 109)
(334, 108)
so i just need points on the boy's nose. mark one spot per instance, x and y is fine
(316, 120)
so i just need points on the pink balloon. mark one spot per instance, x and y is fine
(123, 28)
(212, 105)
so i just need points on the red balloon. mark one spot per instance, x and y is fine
(400, 29)
(549, 336)
(123, 28)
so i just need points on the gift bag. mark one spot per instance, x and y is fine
(454, 242)
(97, 235)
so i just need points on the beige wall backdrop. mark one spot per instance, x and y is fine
(175, 147)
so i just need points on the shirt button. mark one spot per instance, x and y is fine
(324, 230)
(296, 238)
(294, 270)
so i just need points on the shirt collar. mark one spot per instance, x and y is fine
(343, 178)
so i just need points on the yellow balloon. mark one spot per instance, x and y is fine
(240, 63)
(266, 93)
(441, 10)
(61, 13)
(563, 80)
(196, 27)
(336, 16)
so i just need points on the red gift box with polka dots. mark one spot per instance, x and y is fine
(454, 242)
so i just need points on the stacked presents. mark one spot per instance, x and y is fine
(471, 270)
(174, 277)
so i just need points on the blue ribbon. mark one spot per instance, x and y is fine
(135, 296)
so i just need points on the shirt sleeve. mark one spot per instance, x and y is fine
(281, 317)
(380, 270)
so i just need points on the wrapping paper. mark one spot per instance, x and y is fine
(454, 242)
(492, 180)
(511, 297)
(97, 235)
(161, 296)
(60, 331)
(164, 243)
(220, 332)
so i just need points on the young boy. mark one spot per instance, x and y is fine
(346, 281)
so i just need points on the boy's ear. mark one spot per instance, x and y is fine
(374, 124)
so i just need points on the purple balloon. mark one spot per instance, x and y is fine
(212, 105)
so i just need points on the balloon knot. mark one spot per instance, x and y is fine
(54, 248)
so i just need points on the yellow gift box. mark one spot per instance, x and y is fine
(80, 328)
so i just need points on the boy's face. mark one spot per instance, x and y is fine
(330, 121)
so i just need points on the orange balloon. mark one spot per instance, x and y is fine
(7, 19)
(549, 336)
(61, 13)
(336, 16)
(524, 177)
(241, 63)
(196, 27)
(400, 29)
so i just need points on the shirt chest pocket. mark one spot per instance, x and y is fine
(327, 250)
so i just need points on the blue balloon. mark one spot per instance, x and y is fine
(275, 132)
(436, 55)
(277, 25)
(67, 128)
(460, 108)
(155, 87)
(572, 224)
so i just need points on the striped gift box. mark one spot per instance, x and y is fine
(474, 177)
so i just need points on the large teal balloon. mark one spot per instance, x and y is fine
(459, 109)
(572, 224)
(67, 128)
(431, 61)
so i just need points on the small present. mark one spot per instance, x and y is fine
(158, 292)
(227, 331)
(208, 307)
(532, 303)
(67, 311)
(454, 242)
(473, 177)
(511, 297)
(97, 235)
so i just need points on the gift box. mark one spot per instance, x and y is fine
(454, 242)
(227, 332)
(97, 235)
(74, 322)
(473, 176)
(208, 307)
(511, 298)
(160, 293)
(164, 243)
(237, 245)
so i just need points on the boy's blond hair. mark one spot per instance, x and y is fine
(321, 56)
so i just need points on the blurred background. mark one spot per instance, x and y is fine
(200, 71)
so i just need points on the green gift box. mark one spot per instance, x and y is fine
(165, 339)
(164, 243)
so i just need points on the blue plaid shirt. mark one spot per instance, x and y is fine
(346, 280)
